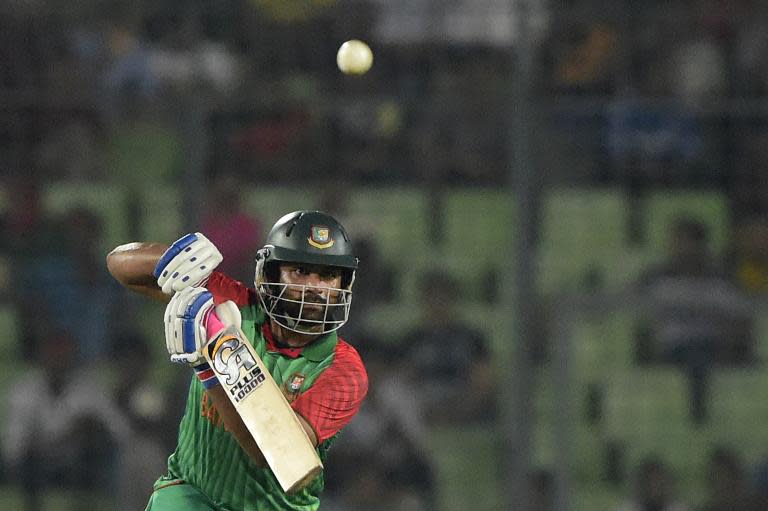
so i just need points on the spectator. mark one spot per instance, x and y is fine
(449, 359)
(728, 488)
(237, 234)
(377, 287)
(695, 315)
(53, 268)
(145, 145)
(128, 69)
(62, 430)
(585, 60)
(150, 415)
(183, 58)
(71, 150)
(698, 68)
(391, 417)
(651, 133)
(750, 257)
(653, 489)
(67, 281)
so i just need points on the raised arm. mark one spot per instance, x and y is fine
(158, 270)
(133, 264)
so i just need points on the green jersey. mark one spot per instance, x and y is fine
(325, 383)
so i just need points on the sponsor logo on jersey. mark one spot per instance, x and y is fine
(320, 237)
(292, 386)
(232, 359)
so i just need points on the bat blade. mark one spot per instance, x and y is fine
(266, 413)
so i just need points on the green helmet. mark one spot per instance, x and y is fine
(308, 237)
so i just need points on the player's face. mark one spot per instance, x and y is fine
(315, 285)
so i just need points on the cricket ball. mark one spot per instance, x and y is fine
(354, 57)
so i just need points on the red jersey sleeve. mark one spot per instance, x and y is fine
(225, 288)
(335, 397)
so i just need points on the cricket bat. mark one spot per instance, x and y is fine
(263, 408)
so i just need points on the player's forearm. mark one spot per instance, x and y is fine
(235, 425)
(132, 265)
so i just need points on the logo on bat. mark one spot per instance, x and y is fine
(228, 355)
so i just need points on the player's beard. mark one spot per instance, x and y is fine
(313, 309)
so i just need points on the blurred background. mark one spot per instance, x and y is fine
(560, 209)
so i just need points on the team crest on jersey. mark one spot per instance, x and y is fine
(292, 386)
(320, 237)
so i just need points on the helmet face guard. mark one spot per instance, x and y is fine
(296, 307)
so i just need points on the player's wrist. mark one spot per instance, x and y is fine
(206, 375)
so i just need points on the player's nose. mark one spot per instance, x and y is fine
(315, 282)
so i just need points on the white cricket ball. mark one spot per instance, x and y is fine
(354, 57)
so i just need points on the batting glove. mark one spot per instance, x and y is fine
(188, 262)
(185, 321)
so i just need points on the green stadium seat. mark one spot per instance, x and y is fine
(647, 411)
(396, 221)
(603, 342)
(480, 224)
(161, 210)
(761, 333)
(642, 402)
(490, 319)
(270, 203)
(477, 242)
(661, 208)
(390, 321)
(11, 497)
(109, 202)
(478, 285)
(585, 446)
(467, 465)
(142, 154)
(594, 497)
(739, 409)
(582, 231)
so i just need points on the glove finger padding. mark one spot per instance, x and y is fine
(185, 329)
(194, 270)
(173, 324)
(173, 273)
(188, 262)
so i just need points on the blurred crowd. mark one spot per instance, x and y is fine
(634, 96)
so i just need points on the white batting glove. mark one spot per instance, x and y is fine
(185, 325)
(188, 262)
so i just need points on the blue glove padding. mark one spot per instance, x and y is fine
(188, 262)
(185, 317)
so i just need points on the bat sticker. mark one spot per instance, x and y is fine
(232, 359)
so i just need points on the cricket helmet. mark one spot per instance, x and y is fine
(305, 237)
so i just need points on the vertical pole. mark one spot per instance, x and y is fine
(193, 119)
(520, 284)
